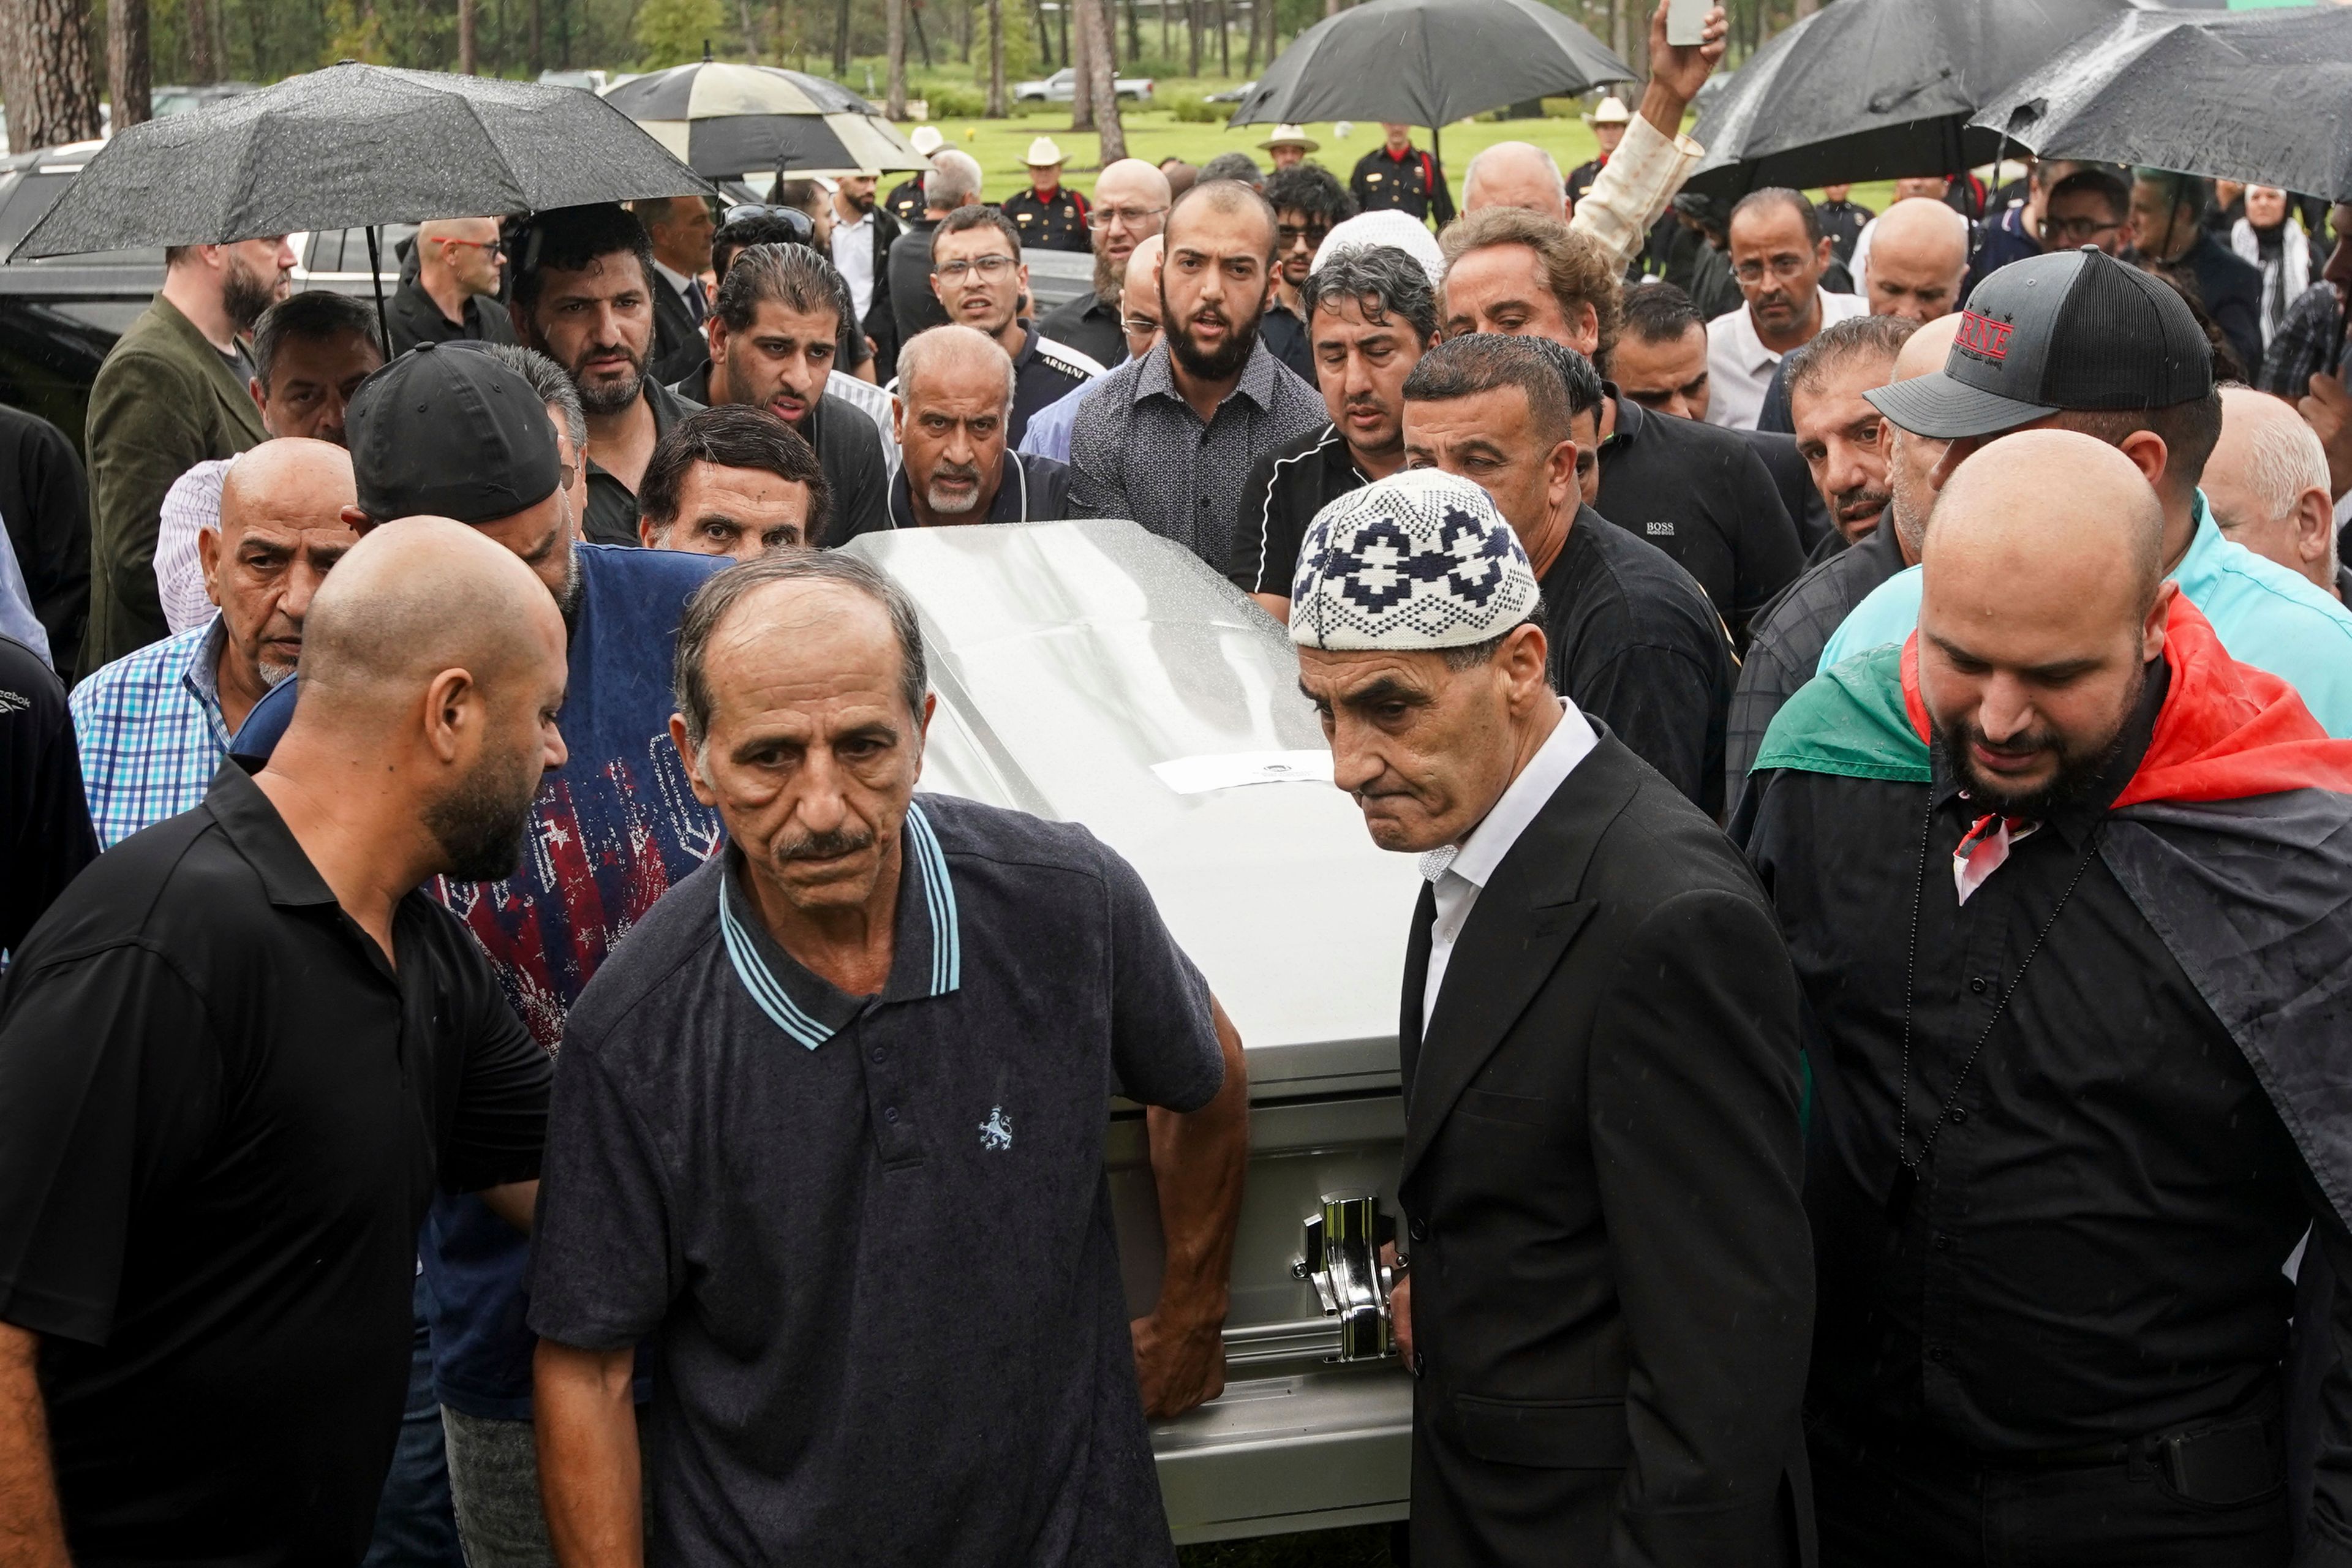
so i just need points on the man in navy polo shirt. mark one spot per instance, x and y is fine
(828, 1135)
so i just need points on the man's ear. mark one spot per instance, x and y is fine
(454, 713)
(2315, 526)
(702, 790)
(208, 561)
(261, 398)
(2152, 630)
(1824, 252)
(1559, 473)
(358, 522)
(714, 327)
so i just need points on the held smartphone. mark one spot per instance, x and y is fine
(1686, 21)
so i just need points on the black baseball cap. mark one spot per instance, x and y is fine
(2074, 330)
(443, 432)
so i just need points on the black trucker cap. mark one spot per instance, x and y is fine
(443, 432)
(2074, 330)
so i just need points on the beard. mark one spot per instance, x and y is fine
(611, 396)
(953, 504)
(1110, 279)
(2081, 763)
(481, 823)
(1241, 337)
(245, 294)
(1857, 511)
(273, 675)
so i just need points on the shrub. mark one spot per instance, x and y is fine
(1192, 109)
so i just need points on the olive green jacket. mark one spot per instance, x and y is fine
(165, 401)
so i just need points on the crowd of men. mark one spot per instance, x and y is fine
(500, 1065)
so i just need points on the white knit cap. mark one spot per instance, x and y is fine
(1386, 227)
(1419, 560)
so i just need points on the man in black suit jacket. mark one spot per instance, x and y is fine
(1608, 1294)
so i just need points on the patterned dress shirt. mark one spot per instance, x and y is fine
(2309, 342)
(1138, 450)
(150, 732)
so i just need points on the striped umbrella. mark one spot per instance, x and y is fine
(726, 119)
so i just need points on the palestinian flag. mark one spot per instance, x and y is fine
(2233, 838)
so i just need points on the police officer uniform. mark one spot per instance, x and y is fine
(904, 201)
(1411, 184)
(1055, 222)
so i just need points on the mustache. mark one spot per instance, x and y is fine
(829, 845)
(959, 473)
(1860, 502)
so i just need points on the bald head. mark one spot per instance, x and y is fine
(1130, 182)
(457, 256)
(1927, 349)
(1139, 299)
(415, 597)
(954, 360)
(1515, 174)
(1919, 253)
(280, 532)
(293, 477)
(2042, 600)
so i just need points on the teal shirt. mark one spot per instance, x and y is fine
(2265, 615)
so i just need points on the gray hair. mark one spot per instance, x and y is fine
(1238, 166)
(312, 316)
(553, 386)
(2285, 458)
(1842, 342)
(1507, 149)
(712, 603)
(951, 341)
(954, 179)
(1382, 280)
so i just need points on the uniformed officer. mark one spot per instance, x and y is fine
(1608, 122)
(1048, 214)
(904, 201)
(1399, 174)
(1288, 147)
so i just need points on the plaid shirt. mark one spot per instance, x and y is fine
(1790, 633)
(151, 732)
(2309, 342)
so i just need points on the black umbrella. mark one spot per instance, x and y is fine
(727, 119)
(354, 146)
(1876, 89)
(2265, 96)
(1428, 62)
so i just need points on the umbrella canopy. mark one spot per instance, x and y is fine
(353, 146)
(1871, 90)
(1427, 62)
(726, 119)
(2260, 96)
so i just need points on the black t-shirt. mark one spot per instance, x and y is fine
(1044, 373)
(45, 505)
(44, 833)
(1089, 326)
(1702, 495)
(221, 1115)
(1635, 644)
(871, 1237)
(1287, 488)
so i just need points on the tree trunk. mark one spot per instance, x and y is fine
(45, 73)
(750, 34)
(467, 57)
(1225, 41)
(1134, 35)
(1192, 28)
(841, 39)
(1104, 67)
(995, 60)
(923, 40)
(1082, 62)
(1062, 15)
(129, 72)
(895, 100)
(196, 23)
(538, 36)
(1167, 38)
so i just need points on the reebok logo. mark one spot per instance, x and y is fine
(1981, 338)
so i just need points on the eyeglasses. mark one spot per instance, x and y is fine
(2078, 228)
(1780, 267)
(1287, 235)
(988, 267)
(478, 244)
(1140, 326)
(804, 227)
(1132, 217)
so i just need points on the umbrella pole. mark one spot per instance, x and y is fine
(376, 277)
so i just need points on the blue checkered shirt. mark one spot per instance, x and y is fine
(150, 732)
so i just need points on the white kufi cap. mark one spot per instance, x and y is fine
(1419, 560)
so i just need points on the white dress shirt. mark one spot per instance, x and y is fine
(1461, 871)
(678, 280)
(190, 506)
(1739, 367)
(853, 256)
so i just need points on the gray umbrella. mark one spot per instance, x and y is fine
(354, 146)
(2260, 96)
(1428, 62)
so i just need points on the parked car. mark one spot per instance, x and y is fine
(1062, 86)
(1091, 672)
(1231, 94)
(60, 316)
